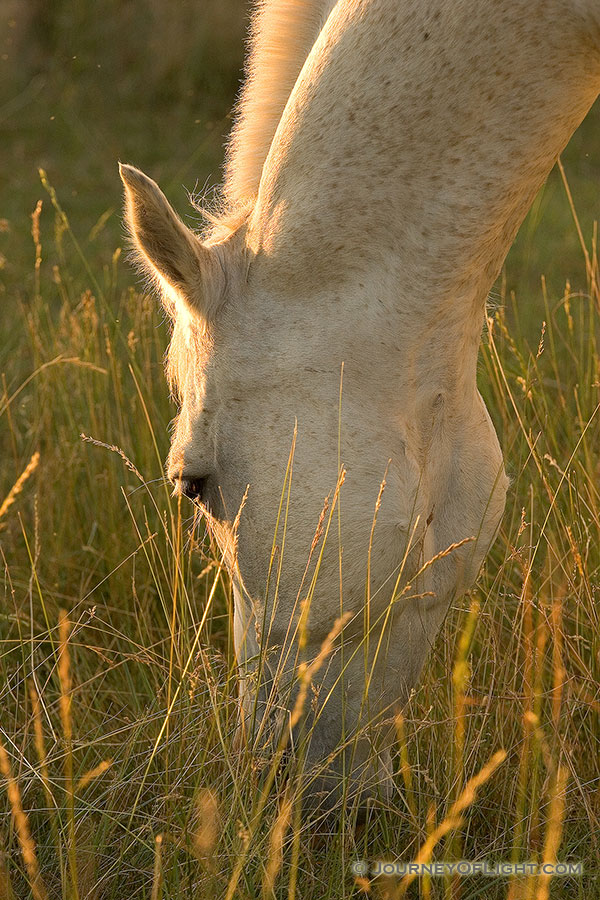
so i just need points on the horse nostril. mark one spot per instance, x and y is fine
(193, 488)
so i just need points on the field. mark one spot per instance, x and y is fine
(118, 690)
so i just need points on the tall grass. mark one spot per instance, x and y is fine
(119, 757)
(119, 766)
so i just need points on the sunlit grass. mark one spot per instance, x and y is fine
(120, 760)
(121, 774)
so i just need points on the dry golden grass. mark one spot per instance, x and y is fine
(120, 771)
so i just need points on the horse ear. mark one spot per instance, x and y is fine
(186, 269)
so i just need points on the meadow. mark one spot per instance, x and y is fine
(118, 771)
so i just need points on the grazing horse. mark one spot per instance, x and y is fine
(326, 328)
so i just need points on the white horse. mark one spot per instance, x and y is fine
(385, 154)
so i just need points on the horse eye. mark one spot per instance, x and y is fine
(193, 487)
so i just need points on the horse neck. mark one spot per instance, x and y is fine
(413, 144)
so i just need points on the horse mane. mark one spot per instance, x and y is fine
(282, 33)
